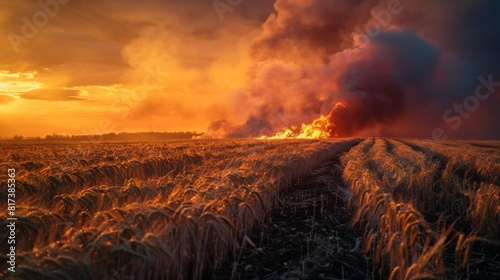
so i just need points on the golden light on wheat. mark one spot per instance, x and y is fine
(189, 207)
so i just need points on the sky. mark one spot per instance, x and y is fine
(241, 68)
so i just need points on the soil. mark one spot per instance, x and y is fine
(308, 236)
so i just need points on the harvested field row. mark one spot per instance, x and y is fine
(307, 236)
(372, 208)
(186, 214)
(410, 211)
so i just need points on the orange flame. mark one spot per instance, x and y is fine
(319, 128)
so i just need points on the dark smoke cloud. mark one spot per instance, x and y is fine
(387, 79)
(398, 82)
(309, 29)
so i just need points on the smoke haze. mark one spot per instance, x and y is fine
(398, 66)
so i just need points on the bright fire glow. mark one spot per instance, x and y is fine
(319, 128)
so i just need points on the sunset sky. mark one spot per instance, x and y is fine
(247, 68)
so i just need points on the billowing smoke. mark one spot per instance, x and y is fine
(392, 76)
(397, 67)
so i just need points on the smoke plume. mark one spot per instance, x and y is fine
(396, 67)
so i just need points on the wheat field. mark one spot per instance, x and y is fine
(186, 209)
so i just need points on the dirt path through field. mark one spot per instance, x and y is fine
(307, 237)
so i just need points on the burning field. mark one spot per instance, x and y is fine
(359, 208)
(321, 68)
(250, 139)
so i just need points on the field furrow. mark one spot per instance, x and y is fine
(185, 210)
(396, 235)
(374, 208)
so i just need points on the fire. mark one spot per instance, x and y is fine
(320, 128)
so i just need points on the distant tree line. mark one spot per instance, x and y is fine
(117, 136)
(20, 137)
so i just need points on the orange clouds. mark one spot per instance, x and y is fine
(154, 65)
(174, 65)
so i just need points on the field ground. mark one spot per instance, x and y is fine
(374, 208)
(309, 233)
